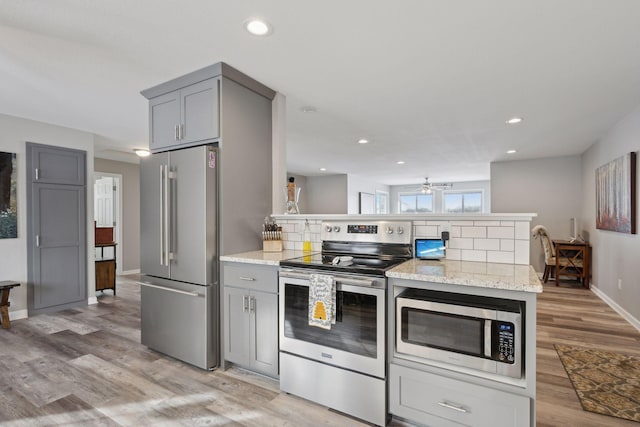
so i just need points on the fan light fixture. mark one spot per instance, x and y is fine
(427, 187)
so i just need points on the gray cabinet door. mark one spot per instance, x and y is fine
(54, 165)
(154, 190)
(264, 332)
(59, 250)
(164, 119)
(200, 115)
(236, 325)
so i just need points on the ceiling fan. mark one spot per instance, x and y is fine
(427, 187)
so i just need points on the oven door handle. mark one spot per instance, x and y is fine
(338, 279)
(487, 338)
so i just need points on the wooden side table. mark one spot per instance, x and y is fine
(105, 267)
(578, 260)
(5, 288)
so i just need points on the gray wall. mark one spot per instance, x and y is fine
(550, 187)
(326, 194)
(130, 209)
(356, 185)
(615, 255)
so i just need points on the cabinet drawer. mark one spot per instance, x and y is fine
(440, 401)
(250, 276)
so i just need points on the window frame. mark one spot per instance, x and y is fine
(463, 193)
(415, 194)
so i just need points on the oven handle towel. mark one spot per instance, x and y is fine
(322, 301)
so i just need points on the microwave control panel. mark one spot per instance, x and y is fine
(506, 345)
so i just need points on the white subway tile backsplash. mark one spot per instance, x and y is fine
(474, 232)
(507, 223)
(486, 223)
(462, 223)
(522, 230)
(521, 252)
(472, 255)
(457, 243)
(455, 231)
(500, 232)
(501, 257)
(507, 245)
(419, 222)
(453, 254)
(426, 231)
(486, 244)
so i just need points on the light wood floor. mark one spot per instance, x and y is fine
(86, 367)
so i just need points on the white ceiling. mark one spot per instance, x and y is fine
(428, 82)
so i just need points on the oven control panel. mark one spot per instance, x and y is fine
(367, 231)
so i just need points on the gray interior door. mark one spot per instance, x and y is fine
(154, 193)
(57, 236)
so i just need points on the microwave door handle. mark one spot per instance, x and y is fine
(487, 338)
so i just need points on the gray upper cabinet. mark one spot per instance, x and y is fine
(51, 165)
(185, 117)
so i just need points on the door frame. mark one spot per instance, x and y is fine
(118, 234)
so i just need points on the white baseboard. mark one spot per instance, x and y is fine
(621, 311)
(124, 273)
(92, 300)
(18, 314)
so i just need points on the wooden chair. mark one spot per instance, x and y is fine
(550, 254)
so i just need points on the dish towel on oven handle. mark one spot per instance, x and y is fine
(322, 301)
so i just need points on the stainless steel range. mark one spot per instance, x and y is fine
(342, 367)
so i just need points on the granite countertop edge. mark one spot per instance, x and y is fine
(262, 257)
(511, 277)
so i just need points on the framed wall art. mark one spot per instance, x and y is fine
(616, 195)
(8, 202)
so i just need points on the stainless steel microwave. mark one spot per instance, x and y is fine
(476, 332)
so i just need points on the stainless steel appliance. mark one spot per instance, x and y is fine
(179, 248)
(344, 367)
(476, 332)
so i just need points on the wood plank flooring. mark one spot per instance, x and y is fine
(86, 367)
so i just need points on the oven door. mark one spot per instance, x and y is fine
(356, 341)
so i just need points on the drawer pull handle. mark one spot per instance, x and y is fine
(446, 404)
(248, 279)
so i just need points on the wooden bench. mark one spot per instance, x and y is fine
(5, 288)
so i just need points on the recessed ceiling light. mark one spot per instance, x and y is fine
(142, 152)
(308, 109)
(511, 151)
(363, 141)
(400, 162)
(514, 120)
(323, 169)
(258, 27)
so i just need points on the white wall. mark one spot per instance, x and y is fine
(484, 186)
(13, 262)
(550, 187)
(355, 186)
(615, 255)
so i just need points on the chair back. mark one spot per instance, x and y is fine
(545, 240)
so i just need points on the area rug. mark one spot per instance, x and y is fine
(606, 383)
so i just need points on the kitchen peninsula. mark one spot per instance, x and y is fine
(420, 390)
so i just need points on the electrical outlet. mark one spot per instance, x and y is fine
(619, 283)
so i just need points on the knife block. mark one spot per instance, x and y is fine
(272, 245)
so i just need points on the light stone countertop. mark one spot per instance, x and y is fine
(511, 277)
(261, 257)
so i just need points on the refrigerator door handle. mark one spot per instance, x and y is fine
(164, 288)
(161, 214)
(166, 217)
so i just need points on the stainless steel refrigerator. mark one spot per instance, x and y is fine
(178, 254)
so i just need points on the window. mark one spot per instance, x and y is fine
(467, 202)
(416, 203)
(382, 202)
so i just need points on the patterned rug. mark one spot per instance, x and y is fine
(606, 383)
